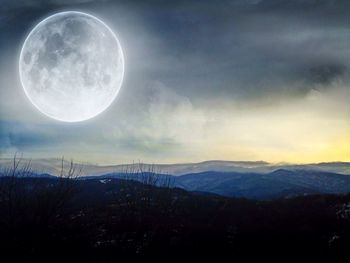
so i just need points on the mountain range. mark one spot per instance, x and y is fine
(251, 180)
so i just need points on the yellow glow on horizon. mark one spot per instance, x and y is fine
(315, 129)
(337, 152)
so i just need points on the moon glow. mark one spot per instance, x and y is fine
(71, 66)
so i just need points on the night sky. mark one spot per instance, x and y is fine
(231, 80)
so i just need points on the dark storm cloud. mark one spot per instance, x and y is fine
(268, 47)
(325, 74)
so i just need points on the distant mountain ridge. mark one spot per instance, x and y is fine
(53, 166)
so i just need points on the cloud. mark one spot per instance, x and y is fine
(324, 74)
(173, 116)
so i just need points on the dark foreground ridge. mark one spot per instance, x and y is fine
(106, 220)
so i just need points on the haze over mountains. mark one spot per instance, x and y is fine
(54, 166)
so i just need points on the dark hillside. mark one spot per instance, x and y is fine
(101, 220)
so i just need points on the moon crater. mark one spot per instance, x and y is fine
(71, 66)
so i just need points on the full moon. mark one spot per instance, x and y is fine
(71, 66)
